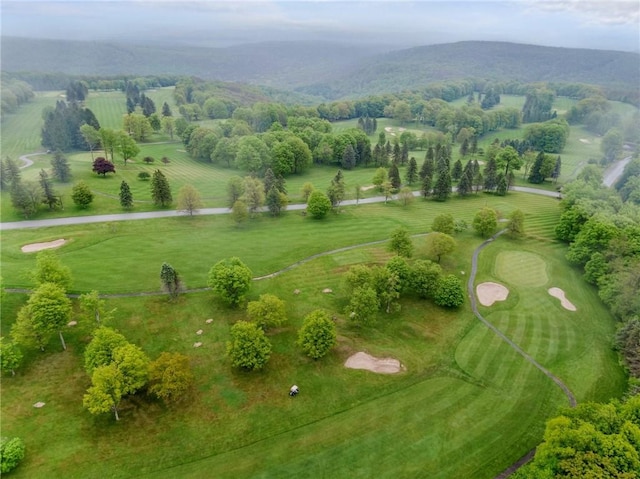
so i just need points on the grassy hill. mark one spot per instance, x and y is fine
(329, 69)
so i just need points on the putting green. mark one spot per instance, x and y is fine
(521, 268)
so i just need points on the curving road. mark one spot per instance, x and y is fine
(77, 220)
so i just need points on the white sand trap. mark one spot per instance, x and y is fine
(367, 188)
(365, 361)
(32, 248)
(488, 293)
(566, 304)
(585, 141)
(387, 128)
(39, 404)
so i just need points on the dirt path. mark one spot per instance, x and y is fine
(472, 296)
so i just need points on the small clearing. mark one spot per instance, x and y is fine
(363, 360)
(488, 293)
(566, 304)
(32, 248)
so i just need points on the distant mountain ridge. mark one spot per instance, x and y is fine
(329, 69)
(497, 61)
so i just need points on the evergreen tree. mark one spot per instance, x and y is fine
(126, 198)
(412, 171)
(170, 280)
(382, 139)
(9, 173)
(389, 149)
(442, 188)
(535, 175)
(49, 196)
(60, 167)
(465, 185)
(474, 145)
(394, 177)
(276, 201)
(491, 175)
(269, 180)
(166, 111)
(348, 158)
(456, 173)
(556, 170)
(160, 189)
(428, 168)
(502, 184)
(430, 154)
(478, 181)
(22, 198)
(336, 190)
(464, 148)
(425, 188)
(404, 154)
(397, 153)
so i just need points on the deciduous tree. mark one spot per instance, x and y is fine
(106, 390)
(49, 269)
(318, 204)
(268, 311)
(10, 356)
(443, 223)
(11, 453)
(425, 278)
(515, 226)
(103, 166)
(249, 348)
(450, 292)
(230, 279)
(363, 304)
(485, 222)
(317, 335)
(400, 243)
(100, 350)
(170, 376)
(439, 244)
(189, 200)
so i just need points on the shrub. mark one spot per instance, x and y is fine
(11, 453)
(144, 176)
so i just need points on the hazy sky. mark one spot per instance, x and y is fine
(600, 24)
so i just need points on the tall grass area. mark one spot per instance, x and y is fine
(466, 405)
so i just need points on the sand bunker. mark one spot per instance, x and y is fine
(488, 293)
(365, 361)
(585, 141)
(32, 248)
(566, 304)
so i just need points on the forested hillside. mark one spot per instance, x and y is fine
(330, 70)
(495, 61)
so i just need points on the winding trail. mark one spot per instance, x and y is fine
(472, 296)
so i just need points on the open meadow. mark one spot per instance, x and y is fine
(465, 404)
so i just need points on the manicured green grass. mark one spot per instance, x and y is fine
(108, 106)
(466, 406)
(21, 130)
(266, 244)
